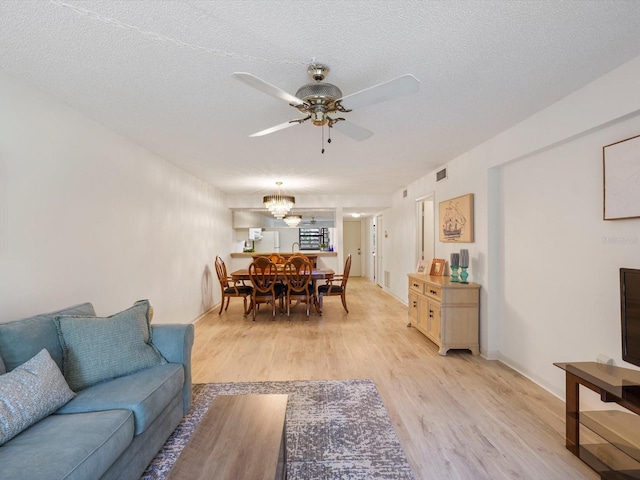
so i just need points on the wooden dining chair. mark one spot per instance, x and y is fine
(297, 280)
(231, 288)
(266, 288)
(335, 286)
(277, 258)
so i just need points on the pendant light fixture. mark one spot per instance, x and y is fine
(292, 220)
(279, 204)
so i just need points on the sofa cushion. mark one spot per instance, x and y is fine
(21, 340)
(78, 446)
(29, 393)
(96, 349)
(146, 393)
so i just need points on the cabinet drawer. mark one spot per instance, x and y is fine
(416, 286)
(433, 291)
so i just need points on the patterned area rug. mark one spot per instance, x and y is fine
(336, 429)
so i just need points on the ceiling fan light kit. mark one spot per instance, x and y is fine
(319, 101)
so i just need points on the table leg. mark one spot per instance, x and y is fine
(572, 413)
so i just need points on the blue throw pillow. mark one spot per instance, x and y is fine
(95, 349)
(29, 393)
(21, 340)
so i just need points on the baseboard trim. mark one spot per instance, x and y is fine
(197, 319)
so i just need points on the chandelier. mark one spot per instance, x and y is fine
(292, 220)
(278, 204)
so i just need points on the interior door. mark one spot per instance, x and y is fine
(379, 249)
(352, 244)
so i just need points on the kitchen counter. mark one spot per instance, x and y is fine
(319, 253)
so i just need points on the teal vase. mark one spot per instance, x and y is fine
(454, 273)
(463, 275)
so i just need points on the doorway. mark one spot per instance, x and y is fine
(352, 244)
(426, 231)
(379, 249)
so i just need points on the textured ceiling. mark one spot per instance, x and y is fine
(159, 72)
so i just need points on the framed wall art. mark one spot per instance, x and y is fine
(621, 178)
(456, 219)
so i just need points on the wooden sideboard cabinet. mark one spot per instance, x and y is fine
(446, 313)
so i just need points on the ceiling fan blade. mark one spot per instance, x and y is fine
(404, 85)
(275, 128)
(266, 87)
(352, 130)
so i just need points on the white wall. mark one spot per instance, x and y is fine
(547, 262)
(86, 215)
(560, 260)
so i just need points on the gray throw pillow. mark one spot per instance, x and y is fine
(29, 393)
(95, 349)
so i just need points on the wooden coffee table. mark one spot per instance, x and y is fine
(239, 437)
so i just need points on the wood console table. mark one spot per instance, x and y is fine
(240, 437)
(615, 450)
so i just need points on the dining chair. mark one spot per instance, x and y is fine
(335, 286)
(277, 258)
(266, 288)
(297, 280)
(231, 288)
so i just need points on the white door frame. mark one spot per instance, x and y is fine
(379, 250)
(425, 228)
(354, 249)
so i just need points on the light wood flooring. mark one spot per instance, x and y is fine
(457, 417)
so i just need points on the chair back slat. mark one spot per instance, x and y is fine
(297, 274)
(221, 271)
(263, 275)
(347, 269)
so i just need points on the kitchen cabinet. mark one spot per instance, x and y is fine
(446, 312)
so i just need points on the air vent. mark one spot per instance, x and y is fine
(387, 279)
(441, 175)
(404, 194)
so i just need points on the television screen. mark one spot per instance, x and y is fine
(630, 312)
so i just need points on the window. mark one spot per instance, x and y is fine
(313, 238)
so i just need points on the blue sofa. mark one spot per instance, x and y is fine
(110, 430)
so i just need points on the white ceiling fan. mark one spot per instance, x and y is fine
(321, 102)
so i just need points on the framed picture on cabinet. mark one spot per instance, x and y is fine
(621, 172)
(423, 267)
(456, 219)
(437, 267)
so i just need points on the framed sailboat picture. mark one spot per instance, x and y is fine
(456, 219)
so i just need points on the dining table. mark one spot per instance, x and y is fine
(316, 274)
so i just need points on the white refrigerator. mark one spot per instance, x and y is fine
(270, 242)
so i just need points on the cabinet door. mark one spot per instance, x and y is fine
(423, 309)
(413, 308)
(434, 321)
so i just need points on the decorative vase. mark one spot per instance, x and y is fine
(454, 273)
(463, 274)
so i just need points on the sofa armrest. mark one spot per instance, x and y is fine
(174, 342)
